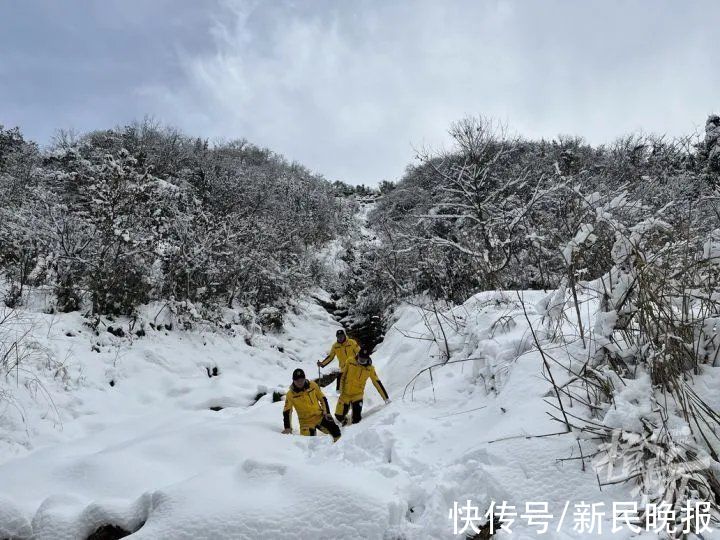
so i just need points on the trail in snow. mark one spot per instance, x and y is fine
(367, 330)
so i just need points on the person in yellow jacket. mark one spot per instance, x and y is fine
(344, 348)
(352, 387)
(311, 406)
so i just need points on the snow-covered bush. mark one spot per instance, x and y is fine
(711, 150)
(653, 337)
(113, 219)
(271, 318)
(497, 210)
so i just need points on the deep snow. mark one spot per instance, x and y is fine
(148, 455)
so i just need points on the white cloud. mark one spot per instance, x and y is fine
(348, 88)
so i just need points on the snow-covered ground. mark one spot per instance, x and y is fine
(148, 455)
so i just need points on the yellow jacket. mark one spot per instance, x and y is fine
(309, 403)
(352, 384)
(344, 351)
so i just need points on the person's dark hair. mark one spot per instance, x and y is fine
(363, 357)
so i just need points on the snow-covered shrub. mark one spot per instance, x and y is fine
(13, 297)
(21, 360)
(502, 211)
(66, 294)
(712, 144)
(271, 318)
(126, 216)
(654, 334)
(665, 466)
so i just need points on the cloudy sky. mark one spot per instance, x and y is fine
(351, 88)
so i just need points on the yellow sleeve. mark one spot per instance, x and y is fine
(377, 384)
(330, 356)
(355, 347)
(288, 401)
(322, 399)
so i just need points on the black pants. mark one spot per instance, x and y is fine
(328, 426)
(356, 411)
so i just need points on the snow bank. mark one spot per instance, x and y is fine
(148, 455)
